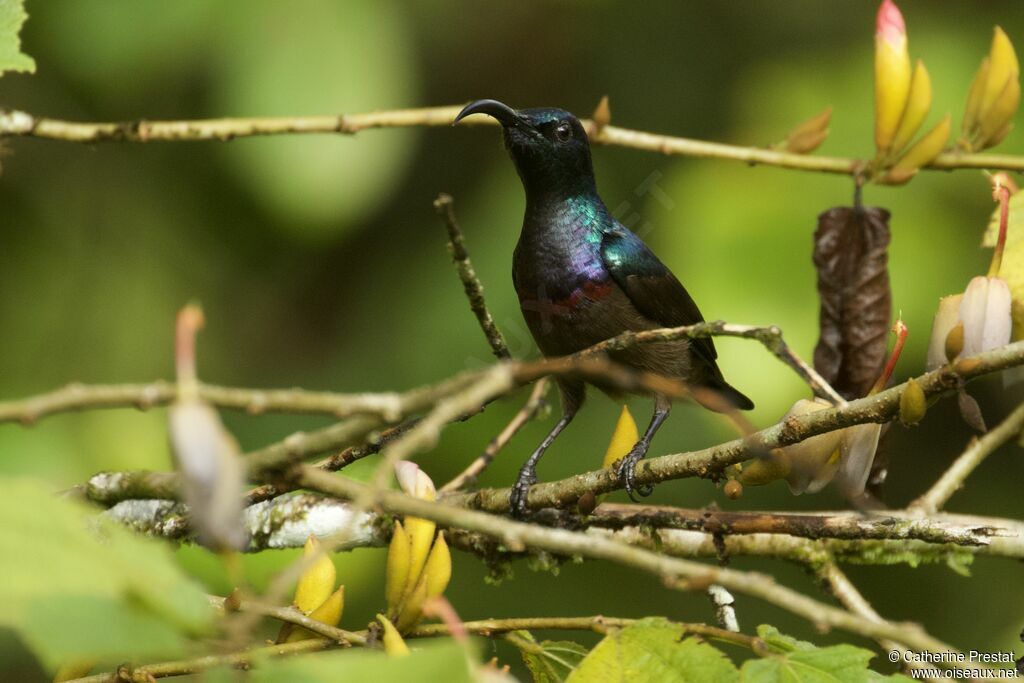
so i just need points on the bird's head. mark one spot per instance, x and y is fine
(548, 146)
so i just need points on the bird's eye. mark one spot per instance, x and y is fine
(563, 132)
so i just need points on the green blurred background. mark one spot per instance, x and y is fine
(320, 263)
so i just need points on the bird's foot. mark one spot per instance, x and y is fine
(520, 490)
(627, 472)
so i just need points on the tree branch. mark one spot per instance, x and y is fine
(444, 206)
(709, 462)
(529, 410)
(675, 572)
(15, 123)
(979, 449)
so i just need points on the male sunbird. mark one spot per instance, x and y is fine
(582, 277)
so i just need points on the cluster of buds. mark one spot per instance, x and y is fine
(981, 318)
(843, 456)
(993, 98)
(903, 97)
(419, 562)
(315, 594)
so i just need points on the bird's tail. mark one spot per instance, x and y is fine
(721, 396)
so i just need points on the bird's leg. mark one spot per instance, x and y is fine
(572, 398)
(628, 465)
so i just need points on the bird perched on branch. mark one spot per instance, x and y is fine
(582, 277)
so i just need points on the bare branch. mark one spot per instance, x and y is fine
(529, 410)
(444, 206)
(15, 123)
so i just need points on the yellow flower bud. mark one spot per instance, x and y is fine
(317, 582)
(994, 96)
(623, 439)
(892, 73)
(999, 115)
(974, 95)
(412, 607)
(922, 152)
(421, 538)
(397, 568)
(327, 613)
(913, 404)
(1003, 66)
(919, 101)
(394, 645)
(438, 570)
(733, 489)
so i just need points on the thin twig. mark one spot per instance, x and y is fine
(445, 208)
(597, 624)
(770, 337)
(184, 667)
(22, 124)
(76, 397)
(979, 449)
(290, 615)
(529, 410)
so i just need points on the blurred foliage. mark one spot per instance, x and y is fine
(92, 591)
(320, 263)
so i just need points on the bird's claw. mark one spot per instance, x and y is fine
(627, 473)
(520, 490)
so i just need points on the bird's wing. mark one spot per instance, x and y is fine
(651, 286)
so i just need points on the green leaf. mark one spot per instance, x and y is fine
(549, 661)
(654, 650)
(77, 585)
(12, 16)
(433, 661)
(797, 661)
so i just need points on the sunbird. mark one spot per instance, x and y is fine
(582, 277)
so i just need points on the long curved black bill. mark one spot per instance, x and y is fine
(505, 114)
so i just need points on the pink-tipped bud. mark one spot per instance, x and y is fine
(889, 24)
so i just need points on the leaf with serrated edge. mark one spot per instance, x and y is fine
(797, 661)
(654, 650)
(12, 16)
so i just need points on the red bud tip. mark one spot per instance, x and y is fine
(901, 331)
(889, 25)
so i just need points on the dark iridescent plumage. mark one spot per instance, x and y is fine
(582, 277)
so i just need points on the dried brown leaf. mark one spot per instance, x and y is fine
(851, 255)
